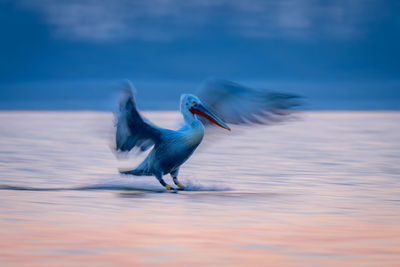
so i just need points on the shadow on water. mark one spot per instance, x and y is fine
(82, 188)
(131, 192)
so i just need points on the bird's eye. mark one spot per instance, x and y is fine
(194, 103)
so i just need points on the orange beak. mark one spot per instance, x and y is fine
(200, 110)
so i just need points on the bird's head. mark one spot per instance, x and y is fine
(192, 104)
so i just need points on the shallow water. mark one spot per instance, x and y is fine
(321, 190)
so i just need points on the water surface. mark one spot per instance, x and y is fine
(322, 190)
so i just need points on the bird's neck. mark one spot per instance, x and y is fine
(191, 120)
(195, 131)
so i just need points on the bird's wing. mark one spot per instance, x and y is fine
(132, 130)
(237, 104)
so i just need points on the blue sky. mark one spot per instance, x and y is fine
(59, 54)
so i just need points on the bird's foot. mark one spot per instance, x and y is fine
(168, 187)
(180, 186)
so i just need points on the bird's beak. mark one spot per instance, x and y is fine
(200, 110)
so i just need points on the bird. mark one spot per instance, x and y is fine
(217, 102)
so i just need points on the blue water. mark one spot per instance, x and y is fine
(163, 95)
(321, 190)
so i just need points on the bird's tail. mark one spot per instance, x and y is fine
(136, 172)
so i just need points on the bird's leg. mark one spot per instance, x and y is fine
(174, 175)
(162, 182)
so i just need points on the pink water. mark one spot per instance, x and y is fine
(323, 190)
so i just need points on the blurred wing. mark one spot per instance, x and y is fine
(132, 130)
(237, 104)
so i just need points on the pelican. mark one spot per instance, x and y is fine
(218, 102)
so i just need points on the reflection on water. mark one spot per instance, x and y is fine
(320, 191)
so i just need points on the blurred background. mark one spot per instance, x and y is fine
(69, 55)
(322, 190)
